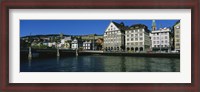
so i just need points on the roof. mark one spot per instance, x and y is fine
(138, 26)
(121, 26)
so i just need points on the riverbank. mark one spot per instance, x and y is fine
(64, 53)
(161, 55)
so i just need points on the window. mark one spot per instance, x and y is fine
(141, 34)
(132, 44)
(157, 38)
(127, 39)
(127, 35)
(157, 42)
(131, 35)
(166, 41)
(154, 42)
(177, 44)
(141, 43)
(136, 39)
(131, 39)
(136, 43)
(154, 38)
(141, 38)
(166, 37)
(127, 43)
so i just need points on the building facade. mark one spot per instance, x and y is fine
(137, 38)
(88, 45)
(99, 43)
(177, 36)
(75, 44)
(114, 37)
(161, 40)
(65, 42)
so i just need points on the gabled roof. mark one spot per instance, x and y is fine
(121, 26)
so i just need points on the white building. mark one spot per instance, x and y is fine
(137, 38)
(75, 44)
(52, 44)
(114, 37)
(161, 39)
(177, 36)
(87, 45)
(64, 43)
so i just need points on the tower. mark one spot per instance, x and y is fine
(153, 25)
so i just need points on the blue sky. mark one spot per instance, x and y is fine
(79, 27)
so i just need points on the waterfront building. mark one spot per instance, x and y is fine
(88, 45)
(161, 39)
(52, 44)
(137, 38)
(177, 36)
(76, 44)
(65, 42)
(99, 44)
(114, 37)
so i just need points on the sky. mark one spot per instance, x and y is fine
(80, 27)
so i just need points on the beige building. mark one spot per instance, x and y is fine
(114, 37)
(137, 38)
(177, 36)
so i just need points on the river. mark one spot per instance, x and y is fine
(100, 63)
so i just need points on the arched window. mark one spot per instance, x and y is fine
(132, 49)
(128, 48)
(108, 48)
(136, 49)
(141, 48)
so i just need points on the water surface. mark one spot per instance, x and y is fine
(96, 63)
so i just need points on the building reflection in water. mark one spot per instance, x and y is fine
(95, 63)
(58, 59)
(29, 63)
(123, 64)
